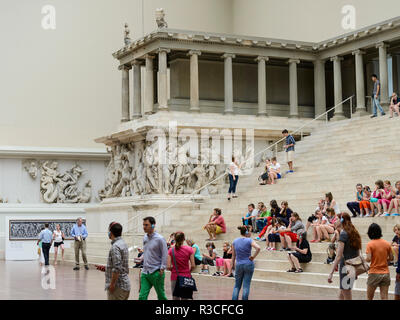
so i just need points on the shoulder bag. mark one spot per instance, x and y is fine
(357, 265)
(183, 282)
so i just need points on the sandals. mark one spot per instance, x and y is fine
(299, 270)
(292, 270)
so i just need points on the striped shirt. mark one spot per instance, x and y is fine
(117, 262)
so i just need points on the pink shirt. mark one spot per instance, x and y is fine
(182, 256)
(221, 222)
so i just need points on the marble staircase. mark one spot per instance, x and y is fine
(334, 158)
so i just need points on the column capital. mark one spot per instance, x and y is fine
(194, 52)
(337, 58)
(228, 55)
(136, 63)
(149, 56)
(322, 61)
(357, 52)
(124, 67)
(166, 50)
(382, 45)
(296, 61)
(260, 58)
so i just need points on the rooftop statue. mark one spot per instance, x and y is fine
(161, 23)
(127, 39)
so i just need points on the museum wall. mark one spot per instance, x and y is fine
(301, 20)
(61, 88)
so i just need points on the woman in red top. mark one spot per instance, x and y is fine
(184, 256)
(216, 225)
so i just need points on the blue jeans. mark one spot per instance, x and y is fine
(376, 104)
(261, 224)
(243, 275)
(232, 184)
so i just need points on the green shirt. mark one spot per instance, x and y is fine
(265, 214)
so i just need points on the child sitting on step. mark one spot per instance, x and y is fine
(387, 196)
(272, 234)
(208, 259)
(376, 196)
(365, 202)
(394, 203)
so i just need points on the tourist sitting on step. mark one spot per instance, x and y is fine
(265, 176)
(394, 203)
(274, 171)
(171, 240)
(349, 247)
(313, 217)
(331, 203)
(208, 258)
(300, 254)
(290, 234)
(396, 243)
(224, 263)
(329, 228)
(197, 253)
(319, 232)
(365, 203)
(272, 234)
(274, 212)
(354, 206)
(216, 225)
(394, 105)
(262, 218)
(384, 202)
(375, 197)
(251, 214)
(285, 212)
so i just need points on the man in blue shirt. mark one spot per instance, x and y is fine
(154, 261)
(46, 236)
(80, 234)
(376, 93)
(289, 146)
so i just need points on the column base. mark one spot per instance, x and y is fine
(136, 116)
(194, 110)
(294, 116)
(262, 114)
(338, 117)
(163, 108)
(228, 112)
(124, 120)
(360, 112)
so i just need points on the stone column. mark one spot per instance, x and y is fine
(337, 83)
(149, 85)
(194, 80)
(262, 86)
(125, 92)
(137, 90)
(360, 86)
(228, 87)
(319, 88)
(163, 79)
(383, 74)
(294, 106)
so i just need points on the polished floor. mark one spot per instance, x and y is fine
(23, 280)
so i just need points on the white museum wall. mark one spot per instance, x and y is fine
(303, 20)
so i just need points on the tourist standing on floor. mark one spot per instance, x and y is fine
(154, 261)
(180, 262)
(379, 253)
(349, 247)
(80, 234)
(234, 168)
(243, 262)
(289, 146)
(118, 285)
(58, 237)
(46, 237)
(376, 93)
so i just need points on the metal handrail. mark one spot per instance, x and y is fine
(299, 130)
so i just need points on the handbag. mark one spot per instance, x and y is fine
(356, 266)
(183, 282)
